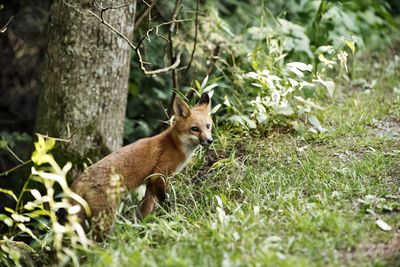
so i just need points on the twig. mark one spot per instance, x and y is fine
(74, 7)
(174, 75)
(111, 7)
(59, 139)
(158, 71)
(142, 16)
(147, 4)
(157, 29)
(24, 163)
(4, 28)
(137, 47)
(112, 28)
(15, 168)
(195, 37)
(103, 9)
(214, 59)
(12, 153)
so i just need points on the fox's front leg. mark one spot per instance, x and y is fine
(155, 193)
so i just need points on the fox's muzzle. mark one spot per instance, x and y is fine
(206, 142)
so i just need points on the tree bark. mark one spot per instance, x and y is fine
(85, 79)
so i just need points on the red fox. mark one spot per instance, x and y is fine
(140, 163)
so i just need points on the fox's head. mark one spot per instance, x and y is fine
(194, 124)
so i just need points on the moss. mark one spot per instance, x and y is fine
(66, 152)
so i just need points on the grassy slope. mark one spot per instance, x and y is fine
(284, 199)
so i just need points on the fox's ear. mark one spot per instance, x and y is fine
(205, 100)
(181, 108)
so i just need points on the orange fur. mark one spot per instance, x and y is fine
(140, 162)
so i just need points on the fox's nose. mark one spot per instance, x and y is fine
(209, 141)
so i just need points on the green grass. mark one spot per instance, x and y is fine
(282, 199)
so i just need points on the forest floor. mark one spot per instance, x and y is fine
(284, 199)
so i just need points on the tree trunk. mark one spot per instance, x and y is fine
(85, 79)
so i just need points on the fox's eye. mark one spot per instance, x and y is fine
(195, 129)
(208, 126)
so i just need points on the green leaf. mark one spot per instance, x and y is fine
(282, 110)
(244, 121)
(198, 86)
(20, 218)
(9, 192)
(133, 89)
(329, 85)
(36, 194)
(42, 147)
(210, 87)
(298, 68)
(219, 201)
(9, 210)
(227, 30)
(204, 82)
(27, 230)
(49, 144)
(351, 45)
(7, 220)
(216, 108)
(40, 159)
(38, 213)
(316, 123)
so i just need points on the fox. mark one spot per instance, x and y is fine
(147, 161)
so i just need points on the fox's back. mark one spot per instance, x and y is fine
(162, 154)
(134, 163)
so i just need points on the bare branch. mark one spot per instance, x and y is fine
(174, 74)
(103, 9)
(214, 59)
(59, 139)
(24, 163)
(15, 168)
(195, 36)
(158, 71)
(146, 3)
(175, 14)
(12, 152)
(111, 7)
(144, 14)
(157, 29)
(137, 47)
(112, 28)
(74, 7)
(4, 28)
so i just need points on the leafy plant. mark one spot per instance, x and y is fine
(278, 91)
(37, 219)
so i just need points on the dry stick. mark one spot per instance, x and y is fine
(195, 37)
(137, 47)
(178, 56)
(137, 50)
(12, 152)
(214, 59)
(144, 14)
(146, 3)
(24, 163)
(189, 94)
(174, 75)
(4, 28)
(112, 7)
(15, 168)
